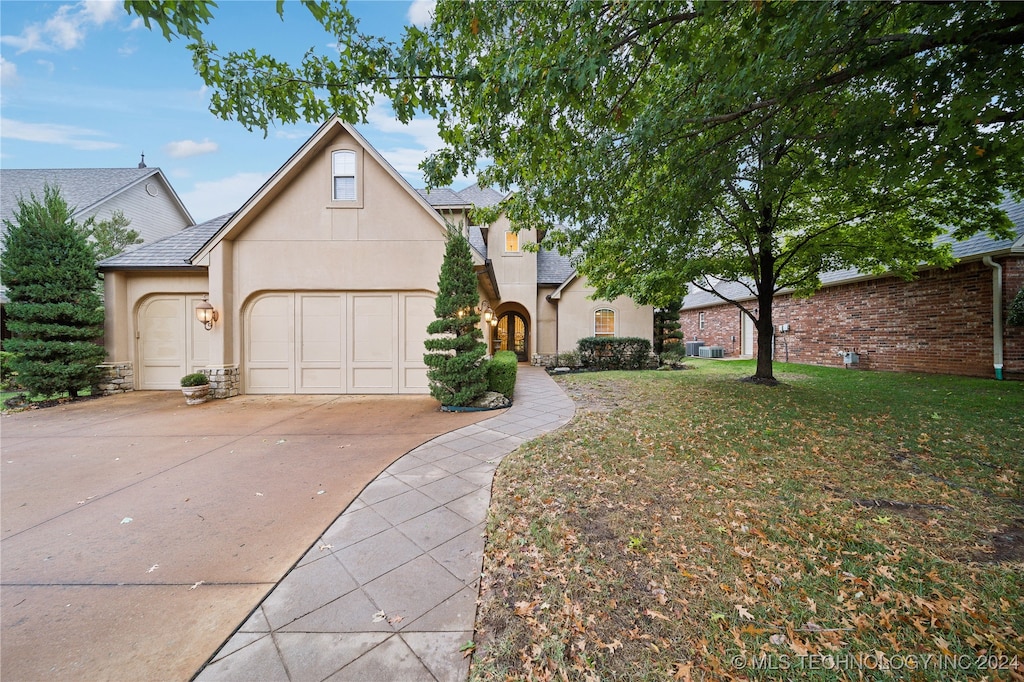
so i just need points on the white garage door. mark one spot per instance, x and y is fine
(336, 342)
(171, 341)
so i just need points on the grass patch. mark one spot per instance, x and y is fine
(42, 401)
(843, 525)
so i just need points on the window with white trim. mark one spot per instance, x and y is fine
(343, 170)
(604, 322)
(700, 320)
(511, 241)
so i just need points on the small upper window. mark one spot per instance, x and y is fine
(511, 242)
(604, 322)
(700, 321)
(344, 172)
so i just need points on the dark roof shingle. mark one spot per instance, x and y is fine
(171, 252)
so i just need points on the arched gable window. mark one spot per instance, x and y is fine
(343, 169)
(604, 322)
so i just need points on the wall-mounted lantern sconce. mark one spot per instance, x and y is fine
(206, 313)
(488, 314)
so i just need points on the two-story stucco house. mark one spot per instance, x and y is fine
(324, 282)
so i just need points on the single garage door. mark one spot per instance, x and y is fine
(337, 342)
(171, 341)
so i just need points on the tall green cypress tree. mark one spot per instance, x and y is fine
(455, 354)
(54, 313)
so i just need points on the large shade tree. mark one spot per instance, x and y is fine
(755, 142)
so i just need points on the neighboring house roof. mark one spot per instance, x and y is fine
(175, 251)
(84, 189)
(444, 197)
(973, 248)
(482, 197)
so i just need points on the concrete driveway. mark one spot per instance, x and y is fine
(137, 533)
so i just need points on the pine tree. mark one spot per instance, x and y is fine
(54, 313)
(457, 372)
(666, 327)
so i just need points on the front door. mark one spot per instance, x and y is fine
(512, 334)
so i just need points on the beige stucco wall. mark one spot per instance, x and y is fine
(125, 292)
(298, 239)
(547, 320)
(576, 316)
(516, 273)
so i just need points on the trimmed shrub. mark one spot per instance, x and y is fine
(455, 352)
(570, 359)
(194, 379)
(614, 352)
(501, 373)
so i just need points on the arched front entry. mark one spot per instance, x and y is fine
(512, 333)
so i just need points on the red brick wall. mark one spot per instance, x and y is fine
(940, 323)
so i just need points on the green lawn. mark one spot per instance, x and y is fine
(843, 525)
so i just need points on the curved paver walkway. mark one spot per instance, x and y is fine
(389, 591)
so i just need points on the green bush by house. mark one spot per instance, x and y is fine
(194, 379)
(614, 352)
(501, 373)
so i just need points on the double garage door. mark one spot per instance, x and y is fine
(336, 342)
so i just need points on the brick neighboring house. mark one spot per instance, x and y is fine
(942, 322)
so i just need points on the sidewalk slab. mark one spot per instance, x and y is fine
(411, 551)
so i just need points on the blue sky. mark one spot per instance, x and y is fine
(84, 85)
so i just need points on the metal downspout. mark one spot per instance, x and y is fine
(997, 315)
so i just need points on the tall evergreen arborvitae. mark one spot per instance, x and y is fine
(666, 326)
(54, 314)
(455, 354)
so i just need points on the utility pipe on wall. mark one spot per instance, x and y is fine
(997, 315)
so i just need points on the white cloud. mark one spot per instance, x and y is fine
(213, 198)
(8, 72)
(182, 149)
(66, 29)
(422, 130)
(421, 12)
(55, 133)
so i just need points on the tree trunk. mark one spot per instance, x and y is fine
(765, 336)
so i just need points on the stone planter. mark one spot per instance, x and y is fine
(196, 395)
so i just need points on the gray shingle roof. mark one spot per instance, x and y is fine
(443, 197)
(976, 246)
(553, 267)
(170, 252)
(476, 240)
(482, 197)
(80, 187)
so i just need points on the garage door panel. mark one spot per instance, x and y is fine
(337, 342)
(418, 312)
(270, 330)
(322, 380)
(161, 326)
(373, 379)
(321, 319)
(373, 328)
(270, 380)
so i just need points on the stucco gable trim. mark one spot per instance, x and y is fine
(557, 293)
(303, 156)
